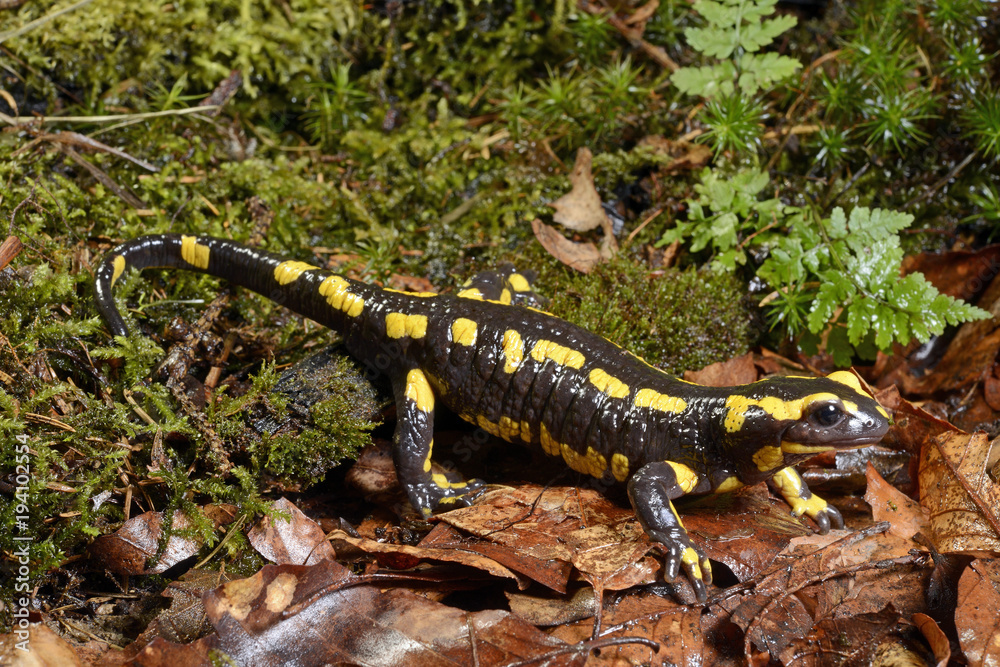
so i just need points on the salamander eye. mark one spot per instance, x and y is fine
(827, 415)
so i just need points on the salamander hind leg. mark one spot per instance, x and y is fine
(797, 494)
(413, 445)
(651, 490)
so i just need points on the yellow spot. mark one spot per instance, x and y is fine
(781, 410)
(848, 378)
(119, 267)
(471, 293)
(796, 448)
(509, 429)
(427, 460)
(418, 390)
(768, 458)
(574, 459)
(590, 462)
(690, 558)
(549, 445)
(729, 484)
(608, 384)
(488, 426)
(564, 356)
(882, 411)
(687, 479)
(513, 350)
(463, 331)
(419, 294)
(648, 398)
(398, 325)
(505, 297)
(335, 289)
(518, 282)
(441, 481)
(598, 464)
(619, 467)
(288, 272)
(194, 253)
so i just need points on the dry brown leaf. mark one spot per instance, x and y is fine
(976, 614)
(546, 609)
(970, 355)
(580, 209)
(853, 639)
(685, 154)
(744, 530)
(740, 370)
(553, 574)
(578, 526)
(905, 516)
(404, 556)
(298, 540)
(963, 501)
(642, 14)
(322, 614)
(580, 256)
(44, 649)
(935, 637)
(128, 549)
(831, 576)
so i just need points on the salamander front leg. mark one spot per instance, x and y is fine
(414, 442)
(651, 490)
(797, 494)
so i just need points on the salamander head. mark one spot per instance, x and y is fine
(784, 420)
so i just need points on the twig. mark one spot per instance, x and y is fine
(103, 119)
(633, 36)
(940, 184)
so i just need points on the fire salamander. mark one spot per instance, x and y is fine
(524, 375)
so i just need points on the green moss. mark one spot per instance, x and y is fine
(674, 319)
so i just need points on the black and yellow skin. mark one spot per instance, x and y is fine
(525, 375)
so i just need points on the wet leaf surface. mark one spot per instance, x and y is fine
(130, 549)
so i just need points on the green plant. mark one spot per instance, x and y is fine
(834, 278)
(983, 121)
(736, 30)
(334, 107)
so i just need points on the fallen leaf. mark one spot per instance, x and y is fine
(642, 14)
(579, 526)
(44, 649)
(405, 556)
(905, 516)
(686, 154)
(971, 353)
(739, 370)
(129, 549)
(963, 501)
(744, 530)
(185, 620)
(580, 256)
(547, 609)
(976, 613)
(961, 274)
(839, 575)
(935, 637)
(298, 540)
(322, 614)
(853, 639)
(580, 209)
